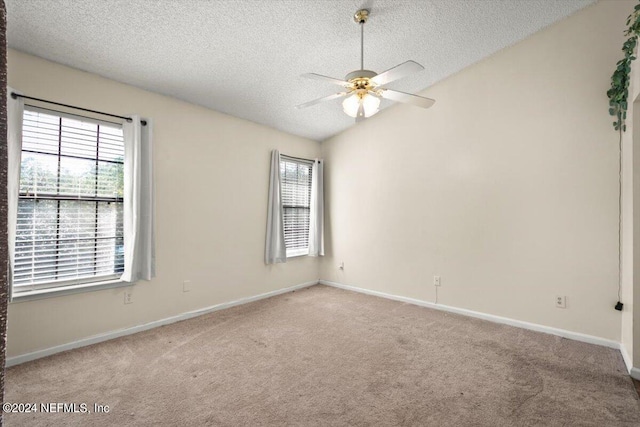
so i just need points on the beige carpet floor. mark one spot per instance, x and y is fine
(327, 357)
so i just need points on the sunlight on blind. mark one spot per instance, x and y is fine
(296, 197)
(70, 207)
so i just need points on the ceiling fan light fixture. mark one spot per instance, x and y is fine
(370, 104)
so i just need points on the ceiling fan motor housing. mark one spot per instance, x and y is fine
(361, 79)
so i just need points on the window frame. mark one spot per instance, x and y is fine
(45, 289)
(297, 252)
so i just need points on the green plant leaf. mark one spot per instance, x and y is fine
(618, 93)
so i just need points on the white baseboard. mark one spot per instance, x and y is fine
(490, 317)
(627, 359)
(635, 373)
(16, 360)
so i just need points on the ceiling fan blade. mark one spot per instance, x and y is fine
(326, 79)
(397, 72)
(407, 98)
(323, 99)
(360, 115)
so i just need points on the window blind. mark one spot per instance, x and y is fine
(295, 180)
(70, 213)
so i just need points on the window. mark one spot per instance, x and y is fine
(295, 179)
(70, 210)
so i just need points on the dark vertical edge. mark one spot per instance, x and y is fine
(4, 249)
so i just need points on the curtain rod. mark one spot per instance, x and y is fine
(299, 158)
(16, 95)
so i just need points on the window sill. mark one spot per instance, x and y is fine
(67, 290)
(296, 253)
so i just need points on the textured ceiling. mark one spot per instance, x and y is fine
(245, 57)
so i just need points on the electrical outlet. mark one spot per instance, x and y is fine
(561, 301)
(128, 297)
(436, 280)
(186, 286)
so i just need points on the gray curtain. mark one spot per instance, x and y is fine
(275, 250)
(139, 211)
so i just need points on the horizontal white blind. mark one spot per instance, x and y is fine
(70, 207)
(296, 197)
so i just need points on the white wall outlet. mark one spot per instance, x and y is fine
(341, 266)
(128, 297)
(561, 301)
(186, 286)
(436, 280)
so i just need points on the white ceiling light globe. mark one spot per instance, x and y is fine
(370, 103)
(350, 105)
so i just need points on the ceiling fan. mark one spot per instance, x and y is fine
(364, 88)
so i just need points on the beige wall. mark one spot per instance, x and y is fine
(507, 187)
(631, 224)
(627, 224)
(212, 174)
(630, 236)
